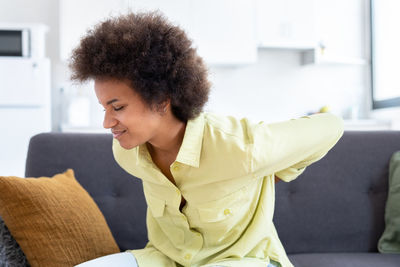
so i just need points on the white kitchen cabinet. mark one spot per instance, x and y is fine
(286, 24)
(25, 97)
(314, 27)
(340, 41)
(223, 31)
(28, 88)
(22, 124)
(319, 56)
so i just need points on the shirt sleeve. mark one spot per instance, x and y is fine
(287, 148)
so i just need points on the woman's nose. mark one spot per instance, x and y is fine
(109, 121)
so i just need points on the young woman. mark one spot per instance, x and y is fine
(209, 180)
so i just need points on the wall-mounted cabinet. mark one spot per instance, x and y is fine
(318, 56)
(339, 41)
(287, 24)
(228, 32)
(314, 28)
(222, 31)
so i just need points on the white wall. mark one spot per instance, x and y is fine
(277, 87)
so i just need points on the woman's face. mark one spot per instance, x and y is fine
(131, 121)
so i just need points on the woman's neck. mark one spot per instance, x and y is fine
(167, 142)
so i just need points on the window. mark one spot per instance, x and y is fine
(385, 53)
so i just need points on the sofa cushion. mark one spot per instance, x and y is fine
(345, 260)
(390, 239)
(54, 220)
(10, 252)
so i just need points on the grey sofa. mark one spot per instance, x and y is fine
(331, 215)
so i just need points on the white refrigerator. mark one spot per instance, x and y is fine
(25, 109)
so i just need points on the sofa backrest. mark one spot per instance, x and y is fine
(336, 205)
(118, 195)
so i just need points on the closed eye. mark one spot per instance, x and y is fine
(116, 109)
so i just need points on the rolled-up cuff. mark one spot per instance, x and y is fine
(290, 173)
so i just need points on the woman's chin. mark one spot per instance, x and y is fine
(126, 145)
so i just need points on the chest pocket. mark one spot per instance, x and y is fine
(156, 205)
(170, 230)
(220, 216)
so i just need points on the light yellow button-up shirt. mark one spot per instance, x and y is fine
(225, 170)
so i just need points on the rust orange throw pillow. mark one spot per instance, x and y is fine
(54, 220)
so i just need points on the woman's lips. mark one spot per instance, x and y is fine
(118, 134)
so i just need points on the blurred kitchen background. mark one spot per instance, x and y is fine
(268, 60)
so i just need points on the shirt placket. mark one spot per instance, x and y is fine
(193, 240)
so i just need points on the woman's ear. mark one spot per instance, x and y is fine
(163, 108)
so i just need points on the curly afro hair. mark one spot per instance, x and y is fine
(154, 56)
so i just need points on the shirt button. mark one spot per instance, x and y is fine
(188, 256)
(177, 191)
(227, 211)
(175, 168)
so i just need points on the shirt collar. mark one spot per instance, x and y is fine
(190, 150)
(143, 156)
